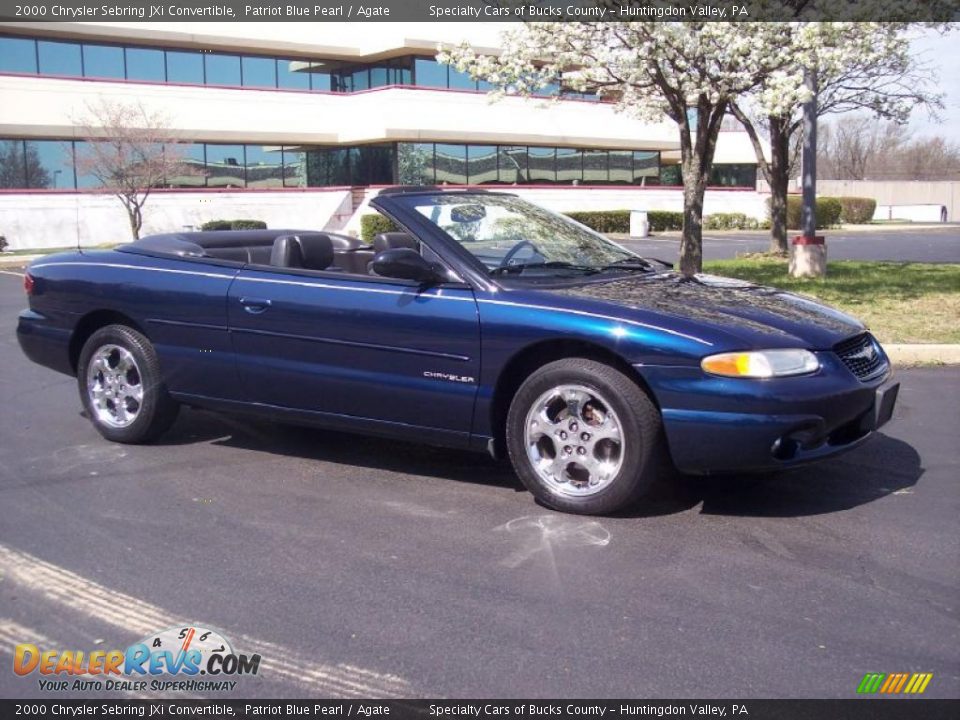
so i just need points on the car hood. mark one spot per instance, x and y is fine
(758, 316)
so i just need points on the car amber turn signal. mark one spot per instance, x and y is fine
(761, 363)
(28, 283)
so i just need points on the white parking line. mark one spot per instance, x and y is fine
(142, 618)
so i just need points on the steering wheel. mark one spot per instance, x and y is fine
(511, 253)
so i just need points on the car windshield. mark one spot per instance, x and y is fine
(513, 237)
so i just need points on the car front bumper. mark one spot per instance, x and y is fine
(722, 425)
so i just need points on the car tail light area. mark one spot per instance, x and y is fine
(28, 283)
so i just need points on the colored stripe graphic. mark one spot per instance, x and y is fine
(894, 683)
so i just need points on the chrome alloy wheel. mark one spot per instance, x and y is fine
(114, 386)
(574, 440)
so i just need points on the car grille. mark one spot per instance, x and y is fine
(862, 356)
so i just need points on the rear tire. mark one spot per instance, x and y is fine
(118, 375)
(583, 437)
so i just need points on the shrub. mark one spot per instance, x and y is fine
(730, 221)
(3, 243)
(216, 225)
(373, 224)
(234, 225)
(604, 221)
(618, 221)
(857, 210)
(827, 210)
(248, 225)
(661, 220)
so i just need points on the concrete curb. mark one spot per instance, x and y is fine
(923, 354)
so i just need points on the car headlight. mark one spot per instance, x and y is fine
(761, 363)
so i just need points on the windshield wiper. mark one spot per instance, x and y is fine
(633, 263)
(552, 264)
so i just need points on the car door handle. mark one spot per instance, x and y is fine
(254, 306)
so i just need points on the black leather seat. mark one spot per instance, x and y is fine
(310, 251)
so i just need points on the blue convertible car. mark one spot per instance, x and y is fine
(485, 323)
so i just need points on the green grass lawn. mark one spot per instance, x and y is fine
(900, 302)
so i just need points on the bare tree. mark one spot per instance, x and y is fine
(858, 148)
(130, 150)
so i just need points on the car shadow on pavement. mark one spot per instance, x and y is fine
(362, 451)
(881, 467)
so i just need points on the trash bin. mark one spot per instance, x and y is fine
(639, 224)
(808, 256)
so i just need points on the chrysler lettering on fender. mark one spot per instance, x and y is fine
(448, 376)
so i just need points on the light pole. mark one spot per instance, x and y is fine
(808, 254)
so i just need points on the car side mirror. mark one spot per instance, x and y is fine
(406, 264)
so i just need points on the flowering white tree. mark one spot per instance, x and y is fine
(860, 66)
(689, 72)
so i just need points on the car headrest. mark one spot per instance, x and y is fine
(345, 242)
(316, 250)
(286, 252)
(391, 240)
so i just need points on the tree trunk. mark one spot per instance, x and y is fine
(779, 179)
(691, 241)
(696, 153)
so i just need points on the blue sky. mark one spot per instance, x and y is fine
(943, 54)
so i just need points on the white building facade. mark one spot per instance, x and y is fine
(299, 124)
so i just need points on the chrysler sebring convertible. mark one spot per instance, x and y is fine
(482, 322)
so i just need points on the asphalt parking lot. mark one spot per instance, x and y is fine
(930, 244)
(363, 567)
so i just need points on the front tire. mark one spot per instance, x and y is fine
(118, 374)
(583, 437)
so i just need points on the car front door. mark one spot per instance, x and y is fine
(355, 347)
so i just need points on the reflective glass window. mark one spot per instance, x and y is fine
(451, 162)
(461, 80)
(733, 175)
(543, 164)
(321, 81)
(13, 172)
(85, 174)
(103, 61)
(59, 58)
(294, 167)
(328, 166)
(670, 175)
(293, 74)
(646, 167)
(184, 67)
(222, 69)
(259, 72)
(430, 73)
(49, 164)
(379, 76)
(264, 166)
(18, 55)
(569, 166)
(145, 64)
(621, 167)
(225, 166)
(415, 164)
(191, 157)
(361, 79)
(482, 164)
(513, 164)
(595, 167)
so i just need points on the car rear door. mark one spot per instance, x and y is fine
(357, 347)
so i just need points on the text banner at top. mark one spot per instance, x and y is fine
(479, 10)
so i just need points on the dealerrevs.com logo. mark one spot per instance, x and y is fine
(170, 660)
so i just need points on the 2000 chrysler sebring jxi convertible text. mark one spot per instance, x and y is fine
(489, 323)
